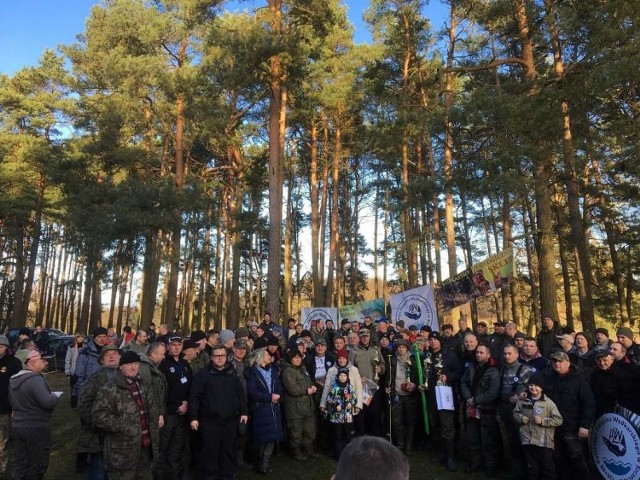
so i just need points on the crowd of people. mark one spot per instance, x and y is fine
(155, 404)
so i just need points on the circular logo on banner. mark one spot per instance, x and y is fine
(416, 309)
(316, 314)
(615, 446)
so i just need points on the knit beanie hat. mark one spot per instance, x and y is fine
(226, 335)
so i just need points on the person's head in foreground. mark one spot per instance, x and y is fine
(371, 458)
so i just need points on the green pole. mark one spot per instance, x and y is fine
(423, 395)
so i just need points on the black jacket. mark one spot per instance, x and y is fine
(573, 396)
(217, 395)
(607, 385)
(546, 339)
(9, 366)
(177, 388)
(482, 383)
(310, 363)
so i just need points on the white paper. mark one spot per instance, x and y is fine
(58, 394)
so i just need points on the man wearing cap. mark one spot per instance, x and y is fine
(9, 366)
(402, 390)
(441, 367)
(514, 376)
(482, 333)
(602, 341)
(227, 337)
(87, 363)
(240, 364)
(497, 340)
(318, 365)
(576, 403)
(128, 416)
(268, 326)
(547, 336)
(91, 440)
(23, 334)
(217, 405)
(607, 383)
(33, 405)
(202, 360)
(625, 337)
(368, 360)
(179, 377)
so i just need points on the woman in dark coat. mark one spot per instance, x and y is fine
(265, 390)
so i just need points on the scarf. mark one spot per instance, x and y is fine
(136, 393)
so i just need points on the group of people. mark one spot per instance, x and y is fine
(159, 405)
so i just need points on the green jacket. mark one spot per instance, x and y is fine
(157, 382)
(201, 361)
(91, 439)
(532, 433)
(297, 402)
(115, 412)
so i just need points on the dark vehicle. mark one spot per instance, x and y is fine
(56, 348)
(46, 335)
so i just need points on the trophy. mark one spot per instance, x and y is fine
(376, 362)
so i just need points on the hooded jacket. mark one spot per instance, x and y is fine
(354, 379)
(9, 366)
(32, 400)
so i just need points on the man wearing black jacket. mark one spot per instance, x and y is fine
(573, 396)
(172, 436)
(480, 388)
(216, 403)
(317, 366)
(9, 366)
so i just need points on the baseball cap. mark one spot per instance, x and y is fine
(176, 338)
(559, 356)
(364, 333)
(566, 337)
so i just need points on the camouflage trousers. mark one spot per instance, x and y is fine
(5, 431)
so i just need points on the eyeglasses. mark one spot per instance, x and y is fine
(219, 356)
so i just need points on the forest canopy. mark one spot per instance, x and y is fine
(180, 162)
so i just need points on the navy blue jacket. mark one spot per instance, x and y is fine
(266, 417)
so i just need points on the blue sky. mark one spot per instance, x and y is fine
(28, 27)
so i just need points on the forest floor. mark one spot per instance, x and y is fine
(66, 427)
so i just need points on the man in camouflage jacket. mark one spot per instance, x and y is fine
(129, 418)
(91, 439)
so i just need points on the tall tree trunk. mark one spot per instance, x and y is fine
(115, 283)
(150, 279)
(448, 145)
(533, 267)
(316, 274)
(277, 125)
(286, 283)
(334, 235)
(546, 259)
(580, 239)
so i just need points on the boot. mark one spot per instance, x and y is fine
(298, 455)
(452, 466)
(408, 442)
(264, 455)
(311, 452)
(240, 463)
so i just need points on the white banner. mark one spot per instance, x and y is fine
(416, 307)
(319, 313)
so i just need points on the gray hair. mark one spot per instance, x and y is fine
(256, 357)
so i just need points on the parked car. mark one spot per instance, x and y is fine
(56, 348)
(46, 335)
